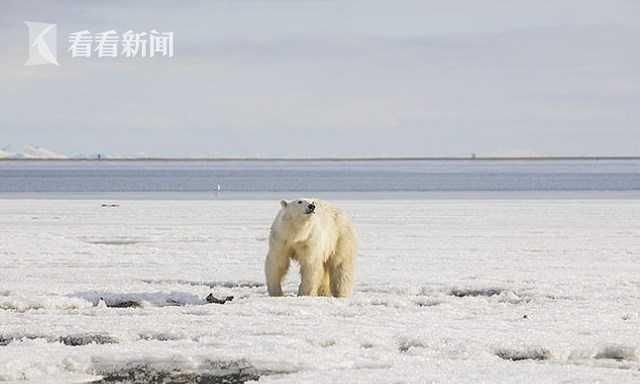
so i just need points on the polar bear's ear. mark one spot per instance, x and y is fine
(283, 203)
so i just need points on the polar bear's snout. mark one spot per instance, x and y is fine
(310, 209)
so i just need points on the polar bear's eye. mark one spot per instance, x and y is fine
(299, 201)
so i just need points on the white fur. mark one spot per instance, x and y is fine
(323, 243)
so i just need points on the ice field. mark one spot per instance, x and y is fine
(447, 291)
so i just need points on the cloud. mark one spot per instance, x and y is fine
(290, 78)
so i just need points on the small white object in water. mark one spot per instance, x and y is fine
(218, 188)
(101, 304)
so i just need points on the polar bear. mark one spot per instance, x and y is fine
(321, 238)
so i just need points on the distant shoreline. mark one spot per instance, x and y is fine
(328, 159)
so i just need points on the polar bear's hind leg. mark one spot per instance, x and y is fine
(341, 266)
(276, 267)
(342, 279)
(325, 287)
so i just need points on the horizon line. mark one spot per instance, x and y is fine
(374, 158)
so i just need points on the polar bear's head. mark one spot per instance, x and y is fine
(301, 209)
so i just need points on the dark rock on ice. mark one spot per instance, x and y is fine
(214, 300)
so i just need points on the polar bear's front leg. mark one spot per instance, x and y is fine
(276, 266)
(311, 276)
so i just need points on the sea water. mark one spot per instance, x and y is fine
(198, 179)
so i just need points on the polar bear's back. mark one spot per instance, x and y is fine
(332, 217)
(336, 225)
(342, 221)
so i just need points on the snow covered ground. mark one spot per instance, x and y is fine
(448, 291)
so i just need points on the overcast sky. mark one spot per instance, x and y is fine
(332, 78)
